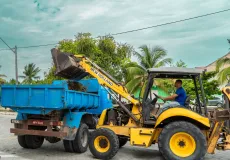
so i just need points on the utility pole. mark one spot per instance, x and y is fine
(16, 63)
(14, 50)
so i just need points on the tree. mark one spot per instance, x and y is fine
(223, 71)
(223, 68)
(148, 58)
(2, 76)
(48, 77)
(11, 81)
(104, 51)
(211, 86)
(30, 73)
(180, 63)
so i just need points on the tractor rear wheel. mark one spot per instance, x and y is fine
(182, 140)
(104, 143)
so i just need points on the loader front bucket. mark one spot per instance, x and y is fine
(67, 65)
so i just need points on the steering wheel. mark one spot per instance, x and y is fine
(158, 97)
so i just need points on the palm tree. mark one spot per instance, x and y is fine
(223, 72)
(148, 58)
(30, 73)
(223, 68)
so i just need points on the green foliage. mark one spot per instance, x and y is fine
(211, 86)
(30, 73)
(48, 77)
(223, 71)
(105, 52)
(12, 81)
(180, 63)
(2, 76)
(148, 58)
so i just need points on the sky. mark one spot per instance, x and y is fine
(33, 22)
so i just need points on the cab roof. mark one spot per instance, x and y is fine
(175, 72)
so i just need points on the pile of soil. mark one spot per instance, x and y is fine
(76, 86)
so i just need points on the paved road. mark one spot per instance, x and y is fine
(9, 149)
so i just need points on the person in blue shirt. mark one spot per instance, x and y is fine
(177, 99)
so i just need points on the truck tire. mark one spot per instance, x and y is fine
(34, 142)
(22, 141)
(122, 141)
(104, 143)
(81, 141)
(68, 145)
(182, 140)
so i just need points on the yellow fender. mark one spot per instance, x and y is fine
(182, 112)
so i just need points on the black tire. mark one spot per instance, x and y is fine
(68, 145)
(191, 131)
(122, 141)
(104, 143)
(81, 141)
(34, 142)
(22, 141)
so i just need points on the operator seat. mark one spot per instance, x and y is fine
(187, 102)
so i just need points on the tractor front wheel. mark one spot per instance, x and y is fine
(104, 143)
(182, 140)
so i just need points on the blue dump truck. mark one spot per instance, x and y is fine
(64, 110)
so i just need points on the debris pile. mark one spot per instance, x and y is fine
(76, 86)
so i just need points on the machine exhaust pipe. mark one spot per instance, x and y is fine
(67, 66)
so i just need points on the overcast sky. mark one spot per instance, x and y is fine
(197, 42)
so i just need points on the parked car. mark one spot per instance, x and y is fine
(216, 101)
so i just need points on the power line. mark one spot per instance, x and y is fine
(164, 24)
(41, 45)
(139, 29)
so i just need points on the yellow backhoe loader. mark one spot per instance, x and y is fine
(182, 132)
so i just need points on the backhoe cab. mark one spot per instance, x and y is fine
(182, 132)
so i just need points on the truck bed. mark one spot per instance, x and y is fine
(42, 99)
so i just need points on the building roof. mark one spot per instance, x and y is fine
(213, 63)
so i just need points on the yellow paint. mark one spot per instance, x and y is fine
(227, 143)
(155, 135)
(182, 144)
(141, 136)
(174, 112)
(212, 142)
(101, 144)
(118, 130)
(102, 117)
(224, 90)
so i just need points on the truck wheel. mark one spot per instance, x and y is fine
(22, 141)
(122, 141)
(182, 141)
(81, 141)
(68, 145)
(34, 142)
(104, 143)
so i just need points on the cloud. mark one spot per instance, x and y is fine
(24, 23)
